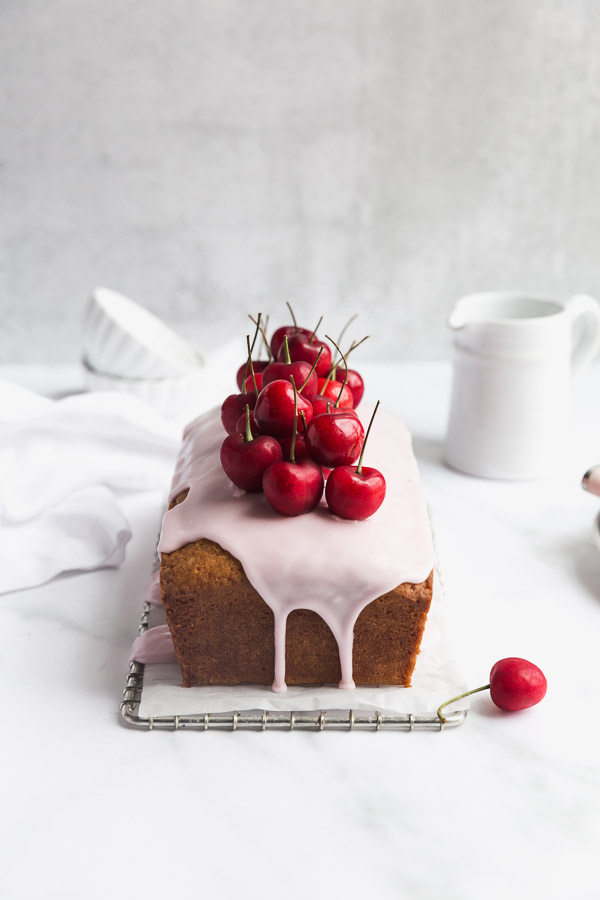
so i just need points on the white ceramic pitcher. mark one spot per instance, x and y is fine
(514, 355)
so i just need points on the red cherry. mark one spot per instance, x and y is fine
(274, 410)
(332, 390)
(279, 334)
(293, 488)
(259, 366)
(299, 371)
(516, 684)
(233, 407)
(245, 459)
(240, 427)
(335, 438)
(322, 405)
(355, 383)
(245, 462)
(249, 383)
(249, 364)
(355, 495)
(307, 349)
(300, 449)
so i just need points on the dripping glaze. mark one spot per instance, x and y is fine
(341, 565)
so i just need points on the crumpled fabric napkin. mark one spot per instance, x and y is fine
(61, 462)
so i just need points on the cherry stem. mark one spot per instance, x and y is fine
(293, 444)
(345, 381)
(303, 417)
(362, 452)
(257, 323)
(459, 697)
(250, 349)
(314, 366)
(251, 366)
(356, 344)
(353, 346)
(288, 358)
(312, 337)
(289, 306)
(263, 335)
(346, 326)
(249, 436)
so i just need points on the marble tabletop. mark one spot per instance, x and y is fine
(505, 805)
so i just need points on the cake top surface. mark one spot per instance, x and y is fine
(316, 561)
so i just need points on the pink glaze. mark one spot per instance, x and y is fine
(316, 561)
(153, 590)
(154, 646)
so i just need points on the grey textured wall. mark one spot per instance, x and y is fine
(211, 157)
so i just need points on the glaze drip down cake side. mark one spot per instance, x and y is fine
(254, 597)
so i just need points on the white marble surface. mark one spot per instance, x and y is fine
(506, 805)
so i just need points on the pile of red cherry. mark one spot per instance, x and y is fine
(293, 430)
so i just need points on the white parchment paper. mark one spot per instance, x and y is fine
(436, 679)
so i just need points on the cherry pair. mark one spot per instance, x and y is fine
(295, 487)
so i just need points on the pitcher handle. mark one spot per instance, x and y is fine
(584, 306)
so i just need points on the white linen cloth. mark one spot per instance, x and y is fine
(61, 462)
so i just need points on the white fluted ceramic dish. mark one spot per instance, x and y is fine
(122, 339)
(170, 396)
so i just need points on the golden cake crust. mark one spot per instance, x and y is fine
(222, 629)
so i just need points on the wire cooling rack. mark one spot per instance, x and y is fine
(265, 720)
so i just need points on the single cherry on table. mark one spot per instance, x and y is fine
(514, 684)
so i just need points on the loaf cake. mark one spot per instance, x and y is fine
(253, 597)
